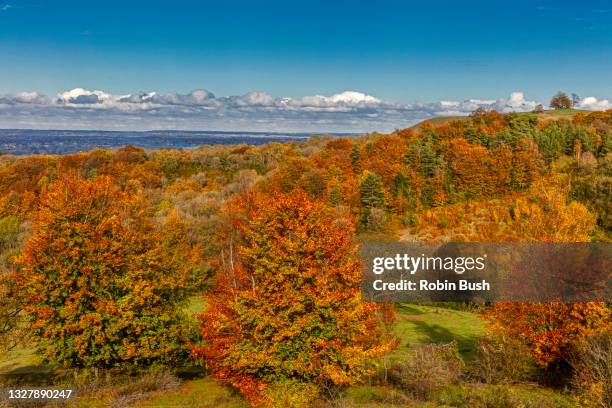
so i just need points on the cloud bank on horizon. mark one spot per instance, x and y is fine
(347, 111)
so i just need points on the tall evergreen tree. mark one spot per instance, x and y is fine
(423, 156)
(371, 190)
(356, 158)
(401, 187)
(335, 195)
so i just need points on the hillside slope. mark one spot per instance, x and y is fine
(553, 114)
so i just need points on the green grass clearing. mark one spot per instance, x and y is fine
(418, 324)
(200, 393)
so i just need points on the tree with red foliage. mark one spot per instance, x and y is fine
(550, 330)
(290, 312)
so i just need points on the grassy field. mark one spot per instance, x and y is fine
(439, 120)
(427, 324)
(201, 393)
(416, 324)
(547, 115)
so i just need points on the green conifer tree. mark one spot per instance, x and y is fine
(371, 191)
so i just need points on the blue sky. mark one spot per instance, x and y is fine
(397, 51)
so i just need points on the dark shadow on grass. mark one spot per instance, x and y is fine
(191, 372)
(408, 309)
(34, 375)
(48, 375)
(438, 334)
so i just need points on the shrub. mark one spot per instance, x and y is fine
(428, 369)
(119, 388)
(376, 219)
(502, 359)
(127, 395)
(592, 364)
(550, 330)
(501, 396)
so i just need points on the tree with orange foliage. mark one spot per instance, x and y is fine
(561, 101)
(290, 313)
(474, 170)
(550, 330)
(101, 283)
(488, 121)
(386, 157)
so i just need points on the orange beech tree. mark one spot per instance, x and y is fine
(102, 283)
(291, 311)
(551, 330)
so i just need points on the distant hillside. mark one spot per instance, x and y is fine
(546, 115)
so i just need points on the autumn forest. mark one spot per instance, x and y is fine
(229, 275)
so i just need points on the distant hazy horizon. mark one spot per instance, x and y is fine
(53, 141)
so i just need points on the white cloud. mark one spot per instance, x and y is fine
(80, 96)
(591, 103)
(253, 99)
(23, 98)
(515, 103)
(30, 97)
(201, 109)
(449, 104)
(353, 98)
(347, 98)
(516, 99)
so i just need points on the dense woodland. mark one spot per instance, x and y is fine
(100, 253)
